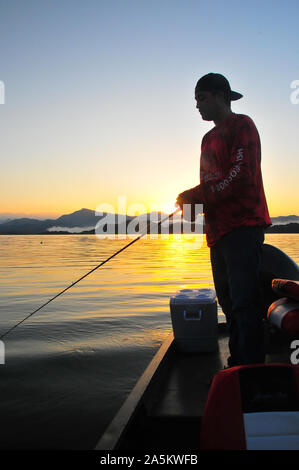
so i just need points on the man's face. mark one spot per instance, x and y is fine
(207, 104)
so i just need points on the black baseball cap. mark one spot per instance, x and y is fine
(216, 81)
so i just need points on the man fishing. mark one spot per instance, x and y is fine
(236, 214)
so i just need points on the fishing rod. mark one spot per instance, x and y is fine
(91, 271)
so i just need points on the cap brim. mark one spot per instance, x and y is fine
(234, 96)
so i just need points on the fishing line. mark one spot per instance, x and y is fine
(91, 271)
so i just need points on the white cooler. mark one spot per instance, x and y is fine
(194, 320)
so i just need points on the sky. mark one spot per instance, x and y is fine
(98, 99)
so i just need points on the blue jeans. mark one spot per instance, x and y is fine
(236, 262)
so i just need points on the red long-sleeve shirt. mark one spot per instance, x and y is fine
(231, 186)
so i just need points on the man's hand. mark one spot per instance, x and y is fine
(188, 199)
(184, 198)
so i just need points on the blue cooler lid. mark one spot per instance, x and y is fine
(203, 296)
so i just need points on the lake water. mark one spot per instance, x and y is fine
(69, 367)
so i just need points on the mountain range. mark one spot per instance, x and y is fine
(85, 220)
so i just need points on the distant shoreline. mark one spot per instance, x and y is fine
(287, 228)
(282, 228)
(85, 222)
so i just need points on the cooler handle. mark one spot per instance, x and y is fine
(193, 315)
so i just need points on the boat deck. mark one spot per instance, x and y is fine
(166, 406)
(187, 381)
